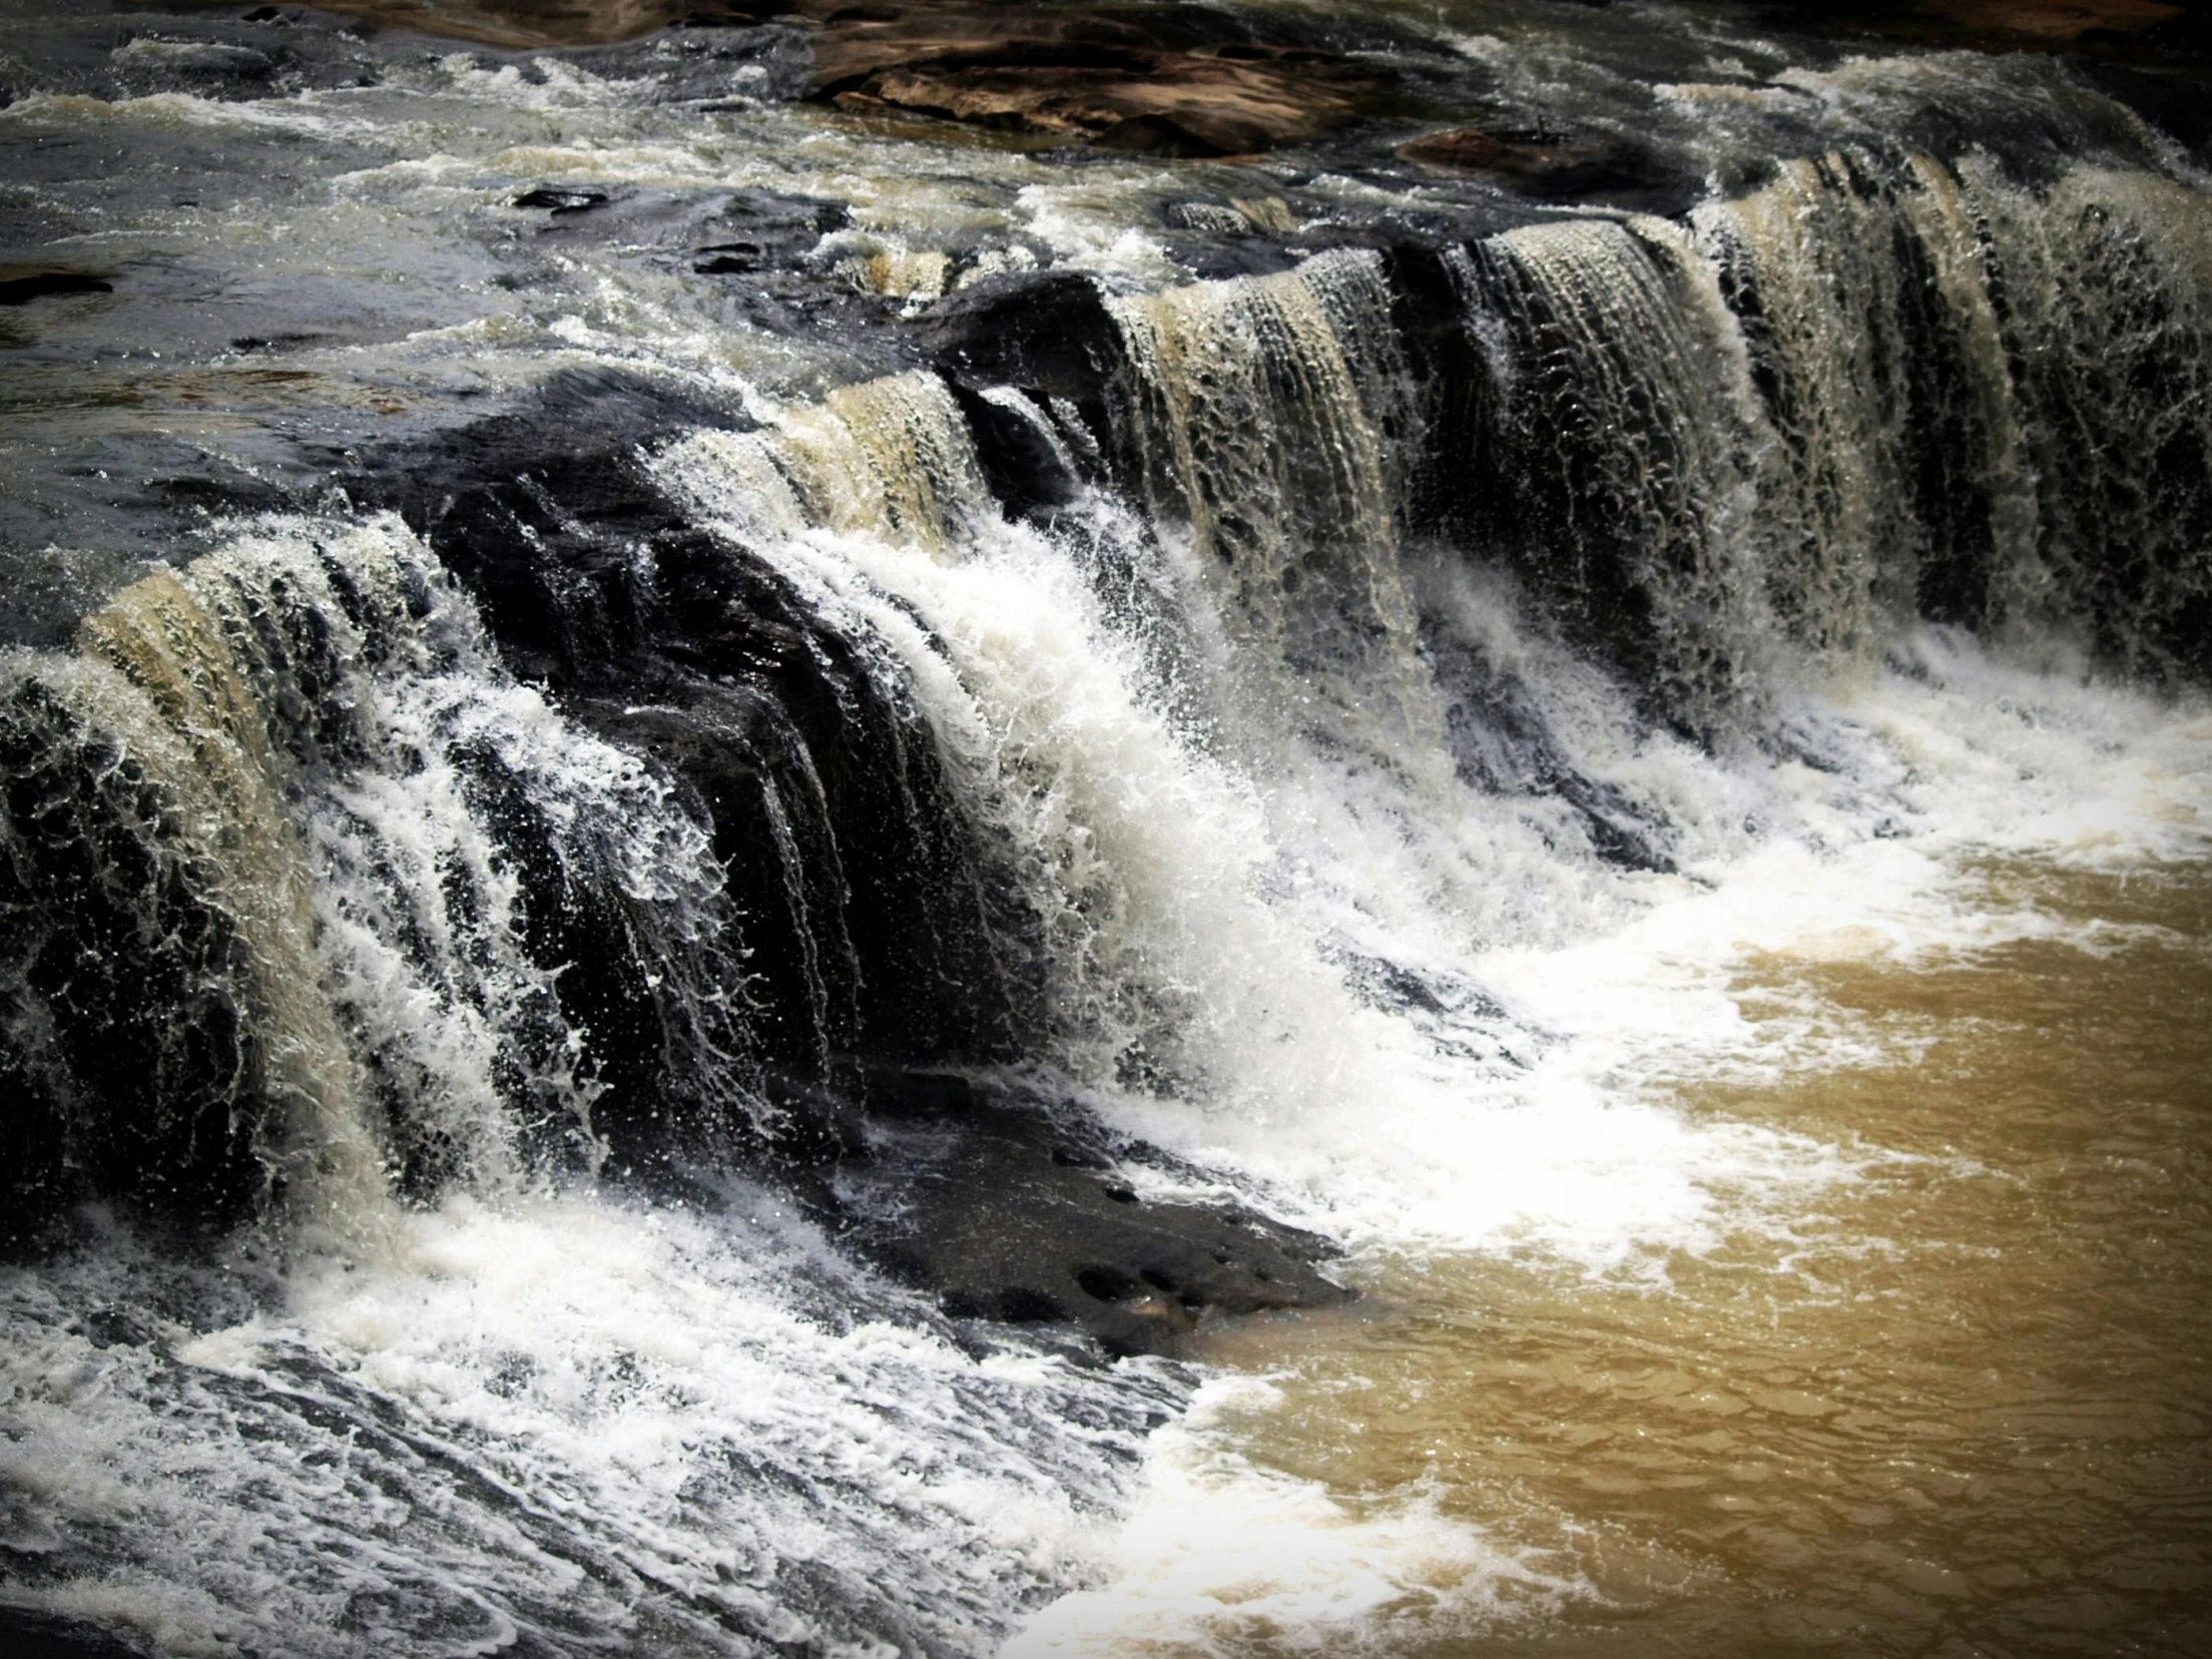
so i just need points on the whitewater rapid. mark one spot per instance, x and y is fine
(541, 754)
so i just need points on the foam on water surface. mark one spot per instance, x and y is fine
(1591, 1166)
(1220, 1556)
(565, 1421)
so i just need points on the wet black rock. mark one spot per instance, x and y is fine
(876, 922)
(765, 252)
(1214, 240)
(754, 234)
(1024, 466)
(207, 66)
(1047, 335)
(1501, 741)
(562, 199)
(1015, 1208)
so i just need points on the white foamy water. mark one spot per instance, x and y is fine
(1217, 1553)
(1216, 890)
(1586, 1161)
(566, 1422)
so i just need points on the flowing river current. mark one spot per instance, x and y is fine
(810, 867)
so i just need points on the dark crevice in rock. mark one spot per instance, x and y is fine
(20, 285)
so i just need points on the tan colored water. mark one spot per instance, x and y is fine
(1964, 1406)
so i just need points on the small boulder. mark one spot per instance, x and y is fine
(562, 199)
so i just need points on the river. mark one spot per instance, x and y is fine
(1406, 858)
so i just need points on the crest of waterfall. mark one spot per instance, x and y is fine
(199, 826)
(1721, 458)
(1630, 451)
(1986, 567)
(2100, 305)
(888, 457)
(1138, 854)
(189, 647)
(1915, 333)
(1809, 265)
(130, 837)
(1902, 486)
(1270, 413)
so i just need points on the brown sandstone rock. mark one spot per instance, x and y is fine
(522, 24)
(2054, 23)
(1164, 79)
(2139, 31)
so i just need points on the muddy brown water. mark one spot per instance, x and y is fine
(1959, 1405)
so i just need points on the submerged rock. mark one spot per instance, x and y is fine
(1553, 166)
(22, 284)
(560, 198)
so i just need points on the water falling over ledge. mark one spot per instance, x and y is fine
(777, 885)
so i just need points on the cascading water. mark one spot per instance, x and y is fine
(674, 998)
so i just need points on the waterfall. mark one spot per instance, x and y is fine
(320, 792)
(643, 1021)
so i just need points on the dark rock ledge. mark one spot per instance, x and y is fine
(1018, 1208)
